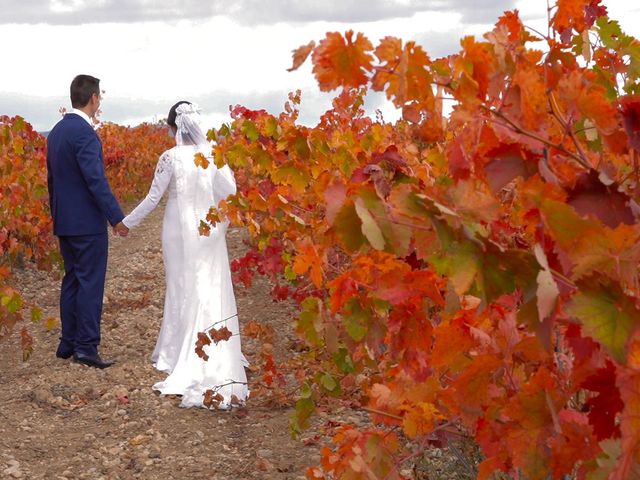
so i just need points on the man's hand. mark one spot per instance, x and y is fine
(121, 229)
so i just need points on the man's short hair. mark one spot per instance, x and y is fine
(82, 88)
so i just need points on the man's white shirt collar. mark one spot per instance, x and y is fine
(83, 115)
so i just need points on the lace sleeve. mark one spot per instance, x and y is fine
(161, 178)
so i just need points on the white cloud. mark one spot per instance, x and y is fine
(250, 12)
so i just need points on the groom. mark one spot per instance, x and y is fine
(81, 203)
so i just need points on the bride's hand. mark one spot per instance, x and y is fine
(121, 229)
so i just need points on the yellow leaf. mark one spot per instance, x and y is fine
(201, 161)
(370, 228)
(419, 420)
(51, 323)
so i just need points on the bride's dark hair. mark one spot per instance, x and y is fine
(171, 118)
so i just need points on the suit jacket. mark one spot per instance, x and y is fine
(79, 195)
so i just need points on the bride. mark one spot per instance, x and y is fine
(199, 293)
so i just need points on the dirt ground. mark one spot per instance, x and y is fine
(60, 420)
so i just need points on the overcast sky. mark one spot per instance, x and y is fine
(149, 54)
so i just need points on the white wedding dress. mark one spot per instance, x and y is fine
(199, 292)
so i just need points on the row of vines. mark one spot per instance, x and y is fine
(26, 232)
(469, 275)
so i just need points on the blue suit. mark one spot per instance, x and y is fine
(81, 205)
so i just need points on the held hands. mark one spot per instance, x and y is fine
(120, 229)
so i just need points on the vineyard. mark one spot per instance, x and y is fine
(464, 276)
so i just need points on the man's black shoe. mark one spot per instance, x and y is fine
(95, 361)
(63, 352)
(64, 355)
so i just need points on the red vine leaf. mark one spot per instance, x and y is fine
(300, 55)
(342, 61)
(220, 334)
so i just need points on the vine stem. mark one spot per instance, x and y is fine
(548, 21)
(518, 129)
(380, 412)
(559, 276)
(555, 108)
(635, 168)
(554, 414)
(220, 321)
(536, 31)
(395, 221)
(215, 388)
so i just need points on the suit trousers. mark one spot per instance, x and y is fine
(82, 291)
